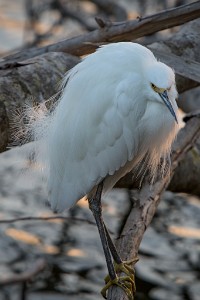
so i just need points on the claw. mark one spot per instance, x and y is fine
(124, 282)
(127, 283)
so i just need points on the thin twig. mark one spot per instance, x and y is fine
(29, 218)
(101, 23)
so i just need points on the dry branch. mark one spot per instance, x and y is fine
(146, 200)
(121, 31)
(37, 79)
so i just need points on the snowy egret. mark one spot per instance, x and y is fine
(117, 109)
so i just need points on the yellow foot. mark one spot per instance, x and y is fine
(127, 283)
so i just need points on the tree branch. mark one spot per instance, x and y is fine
(121, 31)
(37, 79)
(146, 200)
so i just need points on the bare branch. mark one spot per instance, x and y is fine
(116, 32)
(100, 22)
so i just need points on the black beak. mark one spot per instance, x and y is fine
(165, 98)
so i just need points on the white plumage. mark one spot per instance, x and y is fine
(110, 117)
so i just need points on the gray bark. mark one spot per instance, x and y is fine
(38, 78)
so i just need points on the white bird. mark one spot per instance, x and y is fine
(117, 109)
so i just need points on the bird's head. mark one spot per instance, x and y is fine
(161, 86)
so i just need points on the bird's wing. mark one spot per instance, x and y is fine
(93, 134)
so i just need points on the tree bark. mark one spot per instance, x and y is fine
(4, 134)
(37, 78)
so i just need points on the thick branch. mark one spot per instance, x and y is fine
(116, 32)
(37, 79)
(146, 201)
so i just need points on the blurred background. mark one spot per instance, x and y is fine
(27, 23)
(66, 255)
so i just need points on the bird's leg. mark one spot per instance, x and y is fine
(126, 282)
(121, 266)
(95, 207)
(112, 247)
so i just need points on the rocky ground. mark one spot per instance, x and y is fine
(169, 265)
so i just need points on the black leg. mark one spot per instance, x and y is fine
(95, 207)
(125, 282)
(112, 248)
